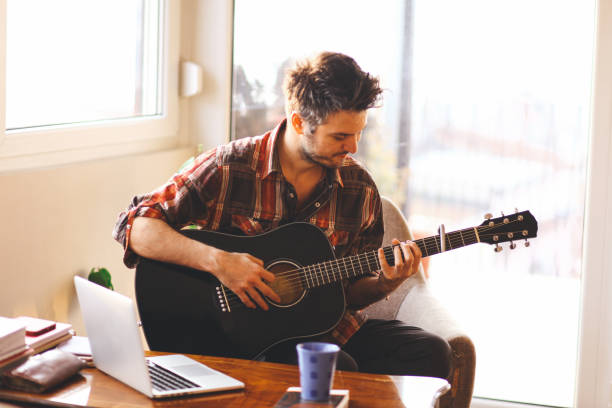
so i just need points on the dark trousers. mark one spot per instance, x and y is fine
(383, 347)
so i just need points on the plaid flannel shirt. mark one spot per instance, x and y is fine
(240, 188)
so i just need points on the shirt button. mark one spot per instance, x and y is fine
(317, 204)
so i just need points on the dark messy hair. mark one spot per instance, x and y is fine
(328, 83)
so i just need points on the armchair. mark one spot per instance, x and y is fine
(414, 304)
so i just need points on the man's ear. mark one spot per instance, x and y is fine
(297, 123)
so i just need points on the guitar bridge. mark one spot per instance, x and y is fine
(222, 299)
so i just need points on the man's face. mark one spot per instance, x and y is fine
(333, 140)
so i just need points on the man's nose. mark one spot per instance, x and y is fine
(351, 144)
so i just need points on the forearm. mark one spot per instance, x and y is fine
(153, 238)
(366, 291)
(242, 273)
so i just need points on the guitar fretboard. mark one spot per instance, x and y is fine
(356, 265)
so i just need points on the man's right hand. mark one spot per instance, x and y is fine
(245, 275)
(242, 273)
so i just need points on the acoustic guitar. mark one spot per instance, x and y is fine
(189, 311)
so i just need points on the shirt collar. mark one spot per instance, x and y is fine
(272, 161)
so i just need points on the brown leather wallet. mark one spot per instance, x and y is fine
(42, 371)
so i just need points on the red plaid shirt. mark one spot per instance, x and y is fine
(240, 188)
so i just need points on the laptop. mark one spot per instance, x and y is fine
(116, 347)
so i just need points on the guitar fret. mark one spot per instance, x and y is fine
(437, 244)
(327, 273)
(312, 269)
(431, 250)
(360, 267)
(388, 252)
(462, 240)
(305, 275)
(376, 265)
(320, 276)
(348, 269)
(336, 268)
(423, 247)
(352, 268)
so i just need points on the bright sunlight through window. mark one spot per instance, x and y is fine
(486, 109)
(70, 61)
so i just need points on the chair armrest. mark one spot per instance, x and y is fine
(421, 309)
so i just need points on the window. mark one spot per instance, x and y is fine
(86, 79)
(486, 109)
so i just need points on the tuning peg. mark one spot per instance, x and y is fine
(488, 216)
(527, 243)
(498, 248)
(512, 245)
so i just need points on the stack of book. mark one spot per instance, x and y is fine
(41, 334)
(13, 348)
(23, 336)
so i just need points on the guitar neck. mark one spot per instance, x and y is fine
(357, 265)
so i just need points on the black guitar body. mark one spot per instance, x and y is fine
(189, 311)
(183, 311)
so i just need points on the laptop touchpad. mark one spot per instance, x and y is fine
(193, 370)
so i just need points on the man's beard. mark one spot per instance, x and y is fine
(306, 151)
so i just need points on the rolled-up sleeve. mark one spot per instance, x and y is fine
(185, 199)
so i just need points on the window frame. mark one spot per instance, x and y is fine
(63, 144)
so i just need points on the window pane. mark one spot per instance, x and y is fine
(486, 109)
(73, 61)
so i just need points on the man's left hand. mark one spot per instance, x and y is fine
(392, 276)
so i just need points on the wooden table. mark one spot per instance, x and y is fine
(265, 384)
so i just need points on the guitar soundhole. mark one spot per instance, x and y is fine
(288, 283)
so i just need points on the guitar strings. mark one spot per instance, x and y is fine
(430, 246)
(319, 277)
(322, 275)
(298, 276)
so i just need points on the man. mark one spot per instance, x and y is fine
(300, 171)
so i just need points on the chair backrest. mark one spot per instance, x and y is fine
(396, 226)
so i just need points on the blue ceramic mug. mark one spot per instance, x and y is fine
(317, 362)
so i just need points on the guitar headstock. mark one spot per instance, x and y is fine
(508, 228)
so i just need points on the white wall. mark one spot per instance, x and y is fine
(57, 222)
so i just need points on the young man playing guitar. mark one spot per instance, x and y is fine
(300, 171)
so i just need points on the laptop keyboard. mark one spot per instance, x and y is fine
(165, 380)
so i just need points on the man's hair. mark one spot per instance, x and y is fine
(328, 83)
